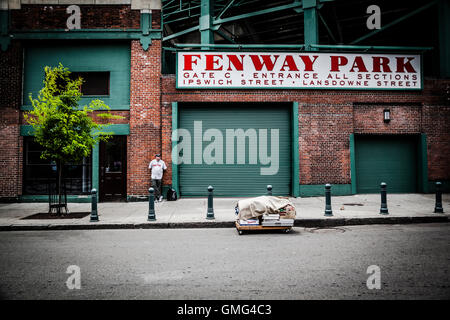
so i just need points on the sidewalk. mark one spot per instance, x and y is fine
(191, 213)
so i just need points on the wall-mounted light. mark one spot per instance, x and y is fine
(387, 115)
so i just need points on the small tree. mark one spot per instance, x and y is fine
(66, 132)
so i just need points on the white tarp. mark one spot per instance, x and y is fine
(256, 207)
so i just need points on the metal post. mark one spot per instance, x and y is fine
(269, 189)
(438, 206)
(94, 214)
(328, 211)
(151, 205)
(210, 213)
(383, 209)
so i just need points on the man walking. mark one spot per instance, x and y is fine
(157, 166)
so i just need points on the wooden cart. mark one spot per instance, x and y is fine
(241, 229)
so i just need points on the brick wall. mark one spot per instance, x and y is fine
(10, 100)
(31, 17)
(145, 115)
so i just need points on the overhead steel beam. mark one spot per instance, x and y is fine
(295, 4)
(367, 48)
(175, 35)
(205, 22)
(412, 13)
(310, 22)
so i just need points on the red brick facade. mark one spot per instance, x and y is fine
(326, 120)
(328, 117)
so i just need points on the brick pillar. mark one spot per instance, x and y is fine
(145, 115)
(10, 141)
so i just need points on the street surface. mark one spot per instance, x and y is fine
(413, 260)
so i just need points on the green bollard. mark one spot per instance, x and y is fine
(438, 206)
(210, 213)
(328, 211)
(269, 190)
(151, 205)
(94, 214)
(383, 209)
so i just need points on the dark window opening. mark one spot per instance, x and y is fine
(37, 172)
(94, 83)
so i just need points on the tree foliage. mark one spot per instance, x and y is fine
(66, 132)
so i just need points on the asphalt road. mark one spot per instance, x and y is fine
(414, 263)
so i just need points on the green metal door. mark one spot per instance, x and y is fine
(390, 159)
(245, 171)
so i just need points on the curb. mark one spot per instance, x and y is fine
(306, 223)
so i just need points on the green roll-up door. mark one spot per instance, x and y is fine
(231, 178)
(390, 159)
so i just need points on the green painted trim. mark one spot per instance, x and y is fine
(86, 34)
(175, 179)
(295, 152)
(26, 130)
(44, 198)
(29, 107)
(314, 190)
(117, 129)
(423, 156)
(114, 129)
(352, 163)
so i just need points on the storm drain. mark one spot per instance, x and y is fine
(327, 230)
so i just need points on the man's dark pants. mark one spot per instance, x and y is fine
(156, 184)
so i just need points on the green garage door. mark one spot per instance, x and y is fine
(390, 159)
(239, 172)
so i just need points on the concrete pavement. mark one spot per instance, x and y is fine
(191, 213)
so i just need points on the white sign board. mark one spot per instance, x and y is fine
(306, 70)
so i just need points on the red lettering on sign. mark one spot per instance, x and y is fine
(238, 64)
(210, 62)
(358, 63)
(379, 62)
(267, 61)
(188, 61)
(337, 61)
(290, 63)
(308, 63)
(402, 65)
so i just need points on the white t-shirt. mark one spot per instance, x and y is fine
(157, 168)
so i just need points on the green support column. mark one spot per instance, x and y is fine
(295, 152)
(444, 41)
(5, 40)
(95, 167)
(175, 183)
(206, 22)
(310, 22)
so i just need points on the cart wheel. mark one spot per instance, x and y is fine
(240, 232)
(288, 230)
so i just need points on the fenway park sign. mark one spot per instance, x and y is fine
(264, 70)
